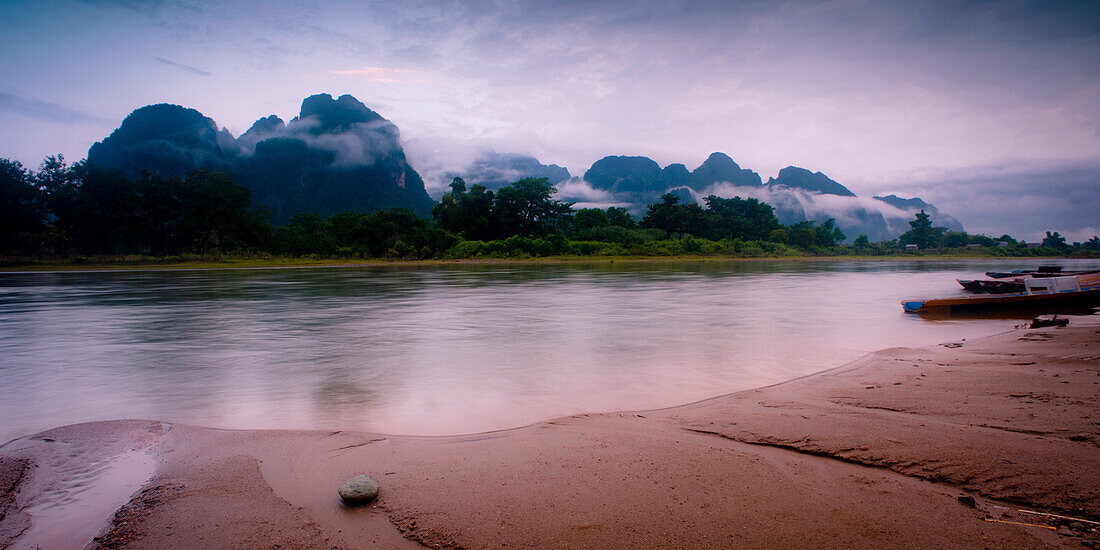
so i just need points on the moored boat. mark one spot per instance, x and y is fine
(1043, 271)
(970, 284)
(1000, 282)
(1082, 289)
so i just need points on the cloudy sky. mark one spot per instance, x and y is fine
(990, 110)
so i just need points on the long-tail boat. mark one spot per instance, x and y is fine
(1010, 282)
(1074, 290)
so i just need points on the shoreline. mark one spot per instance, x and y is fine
(873, 452)
(299, 263)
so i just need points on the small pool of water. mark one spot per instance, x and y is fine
(83, 503)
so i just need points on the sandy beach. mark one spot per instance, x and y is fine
(975, 444)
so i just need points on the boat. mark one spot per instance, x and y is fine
(993, 286)
(1043, 270)
(1004, 287)
(1066, 290)
(971, 284)
(1009, 282)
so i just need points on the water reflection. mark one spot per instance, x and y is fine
(442, 349)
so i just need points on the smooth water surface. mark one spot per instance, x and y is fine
(444, 349)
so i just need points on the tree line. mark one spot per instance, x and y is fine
(73, 210)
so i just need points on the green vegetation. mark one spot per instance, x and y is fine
(79, 214)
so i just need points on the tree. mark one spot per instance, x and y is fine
(828, 234)
(956, 239)
(802, 234)
(458, 186)
(588, 218)
(1092, 244)
(922, 233)
(861, 242)
(306, 234)
(527, 208)
(21, 216)
(982, 240)
(1054, 240)
(468, 213)
(214, 213)
(478, 208)
(450, 212)
(618, 216)
(672, 217)
(738, 218)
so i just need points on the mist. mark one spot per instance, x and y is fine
(1022, 199)
(360, 144)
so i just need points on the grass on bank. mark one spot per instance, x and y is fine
(527, 250)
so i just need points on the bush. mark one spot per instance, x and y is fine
(596, 248)
(617, 234)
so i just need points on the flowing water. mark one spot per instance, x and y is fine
(444, 349)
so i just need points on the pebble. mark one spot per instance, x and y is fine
(359, 490)
(968, 500)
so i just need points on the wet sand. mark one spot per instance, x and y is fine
(876, 453)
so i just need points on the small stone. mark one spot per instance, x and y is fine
(1065, 531)
(968, 501)
(359, 490)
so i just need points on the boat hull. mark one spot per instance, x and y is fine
(991, 302)
(970, 284)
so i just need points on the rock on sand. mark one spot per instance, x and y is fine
(359, 490)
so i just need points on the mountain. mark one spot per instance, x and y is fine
(676, 175)
(719, 167)
(799, 194)
(914, 205)
(642, 175)
(796, 194)
(816, 182)
(627, 175)
(336, 156)
(495, 170)
(165, 138)
(260, 129)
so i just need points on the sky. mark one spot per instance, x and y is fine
(989, 110)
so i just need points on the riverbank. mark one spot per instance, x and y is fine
(141, 263)
(909, 448)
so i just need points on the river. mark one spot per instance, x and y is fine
(445, 349)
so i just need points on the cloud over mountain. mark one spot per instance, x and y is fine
(795, 193)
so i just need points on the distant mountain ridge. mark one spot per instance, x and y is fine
(620, 174)
(337, 155)
(801, 178)
(795, 193)
(495, 170)
(915, 205)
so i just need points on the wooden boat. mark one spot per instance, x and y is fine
(993, 286)
(971, 284)
(1013, 281)
(1004, 286)
(1044, 270)
(1073, 290)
